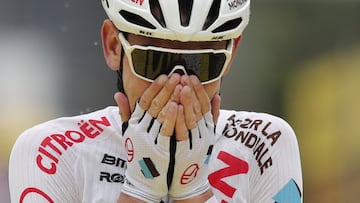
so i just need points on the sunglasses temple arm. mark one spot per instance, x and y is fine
(120, 85)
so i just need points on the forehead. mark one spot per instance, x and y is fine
(173, 44)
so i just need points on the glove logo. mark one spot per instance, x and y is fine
(148, 168)
(129, 146)
(189, 174)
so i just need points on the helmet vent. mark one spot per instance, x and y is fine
(136, 19)
(185, 9)
(229, 25)
(213, 14)
(157, 12)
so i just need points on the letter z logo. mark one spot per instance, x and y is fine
(235, 166)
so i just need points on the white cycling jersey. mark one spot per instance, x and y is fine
(83, 159)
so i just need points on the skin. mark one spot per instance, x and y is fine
(177, 101)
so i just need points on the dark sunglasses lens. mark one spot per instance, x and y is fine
(206, 66)
(150, 63)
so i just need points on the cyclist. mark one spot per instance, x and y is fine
(171, 141)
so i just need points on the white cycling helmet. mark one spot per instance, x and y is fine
(182, 20)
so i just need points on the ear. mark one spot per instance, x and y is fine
(235, 47)
(111, 44)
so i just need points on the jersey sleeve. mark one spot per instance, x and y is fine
(278, 177)
(35, 172)
(256, 159)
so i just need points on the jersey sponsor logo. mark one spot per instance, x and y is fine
(116, 162)
(235, 166)
(30, 191)
(256, 135)
(290, 193)
(112, 177)
(129, 147)
(113, 161)
(53, 146)
(189, 174)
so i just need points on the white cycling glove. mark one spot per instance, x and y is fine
(191, 160)
(147, 156)
(159, 165)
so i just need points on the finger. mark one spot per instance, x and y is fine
(215, 107)
(175, 97)
(201, 94)
(150, 93)
(124, 106)
(162, 97)
(188, 102)
(194, 98)
(162, 114)
(167, 128)
(181, 131)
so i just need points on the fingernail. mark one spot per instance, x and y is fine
(162, 79)
(194, 79)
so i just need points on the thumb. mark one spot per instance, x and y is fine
(215, 107)
(124, 106)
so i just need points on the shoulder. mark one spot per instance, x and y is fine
(266, 147)
(51, 139)
(47, 156)
(255, 135)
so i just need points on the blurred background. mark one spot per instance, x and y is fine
(299, 59)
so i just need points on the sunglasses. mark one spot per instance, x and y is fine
(148, 62)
